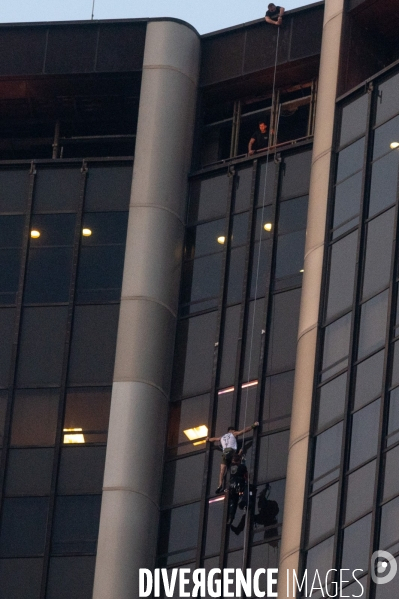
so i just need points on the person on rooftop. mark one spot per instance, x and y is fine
(274, 14)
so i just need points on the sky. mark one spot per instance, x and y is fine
(204, 15)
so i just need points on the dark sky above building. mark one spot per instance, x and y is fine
(205, 15)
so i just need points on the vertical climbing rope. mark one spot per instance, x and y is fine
(256, 296)
(92, 10)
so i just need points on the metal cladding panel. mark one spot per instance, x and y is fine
(22, 50)
(260, 48)
(222, 57)
(121, 47)
(71, 49)
(306, 33)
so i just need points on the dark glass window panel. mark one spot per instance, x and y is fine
(105, 227)
(293, 215)
(23, 526)
(277, 400)
(265, 556)
(229, 346)
(284, 331)
(75, 526)
(93, 345)
(332, 401)
(356, 545)
(296, 174)
(108, 187)
(179, 532)
(269, 511)
(357, 588)
(364, 436)
(323, 510)
(42, 345)
(7, 317)
(208, 197)
(34, 418)
(10, 264)
(242, 188)
(395, 365)
(71, 577)
(11, 231)
(236, 275)
(48, 275)
(320, 558)
(195, 349)
(327, 456)
(20, 578)
(360, 494)
(14, 190)
(265, 188)
(387, 104)
(347, 202)
(391, 477)
(57, 189)
(54, 229)
(176, 476)
(354, 118)
(203, 239)
(247, 410)
(202, 278)
(342, 275)
(214, 526)
(369, 379)
(88, 409)
(273, 455)
(336, 344)
(100, 273)
(264, 219)
(350, 160)
(384, 182)
(224, 413)
(183, 415)
(384, 136)
(240, 229)
(29, 471)
(290, 254)
(3, 410)
(393, 421)
(378, 253)
(253, 340)
(373, 322)
(389, 533)
(81, 470)
(260, 268)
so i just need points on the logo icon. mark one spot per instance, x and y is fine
(383, 567)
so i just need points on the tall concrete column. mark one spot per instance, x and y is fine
(309, 313)
(147, 322)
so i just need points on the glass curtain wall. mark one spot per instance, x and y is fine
(235, 360)
(62, 242)
(354, 484)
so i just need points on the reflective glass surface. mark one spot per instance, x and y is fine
(384, 136)
(393, 421)
(332, 401)
(369, 379)
(23, 526)
(179, 532)
(57, 189)
(373, 322)
(354, 117)
(364, 436)
(236, 275)
(21, 578)
(71, 577)
(176, 474)
(350, 160)
(183, 416)
(10, 264)
(347, 204)
(284, 329)
(296, 175)
(277, 400)
(108, 187)
(208, 198)
(336, 345)
(384, 182)
(360, 493)
(253, 340)
(203, 239)
(29, 472)
(229, 346)
(387, 105)
(273, 455)
(355, 550)
(14, 188)
(391, 478)
(75, 525)
(81, 470)
(242, 188)
(34, 418)
(290, 254)
(87, 410)
(323, 509)
(389, 533)
(342, 275)
(7, 317)
(327, 456)
(266, 177)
